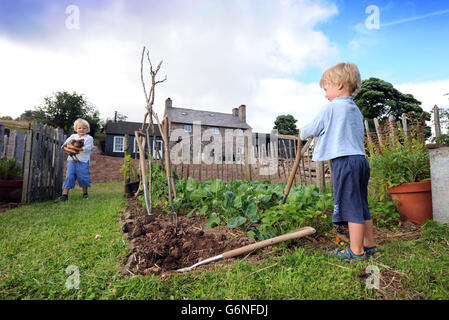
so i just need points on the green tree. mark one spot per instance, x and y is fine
(62, 109)
(286, 124)
(380, 99)
(30, 115)
(26, 115)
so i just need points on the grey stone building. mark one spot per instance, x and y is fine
(207, 134)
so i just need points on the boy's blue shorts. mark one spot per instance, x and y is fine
(350, 176)
(77, 171)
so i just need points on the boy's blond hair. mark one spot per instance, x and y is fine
(347, 73)
(81, 121)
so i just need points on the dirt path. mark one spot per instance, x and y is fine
(104, 168)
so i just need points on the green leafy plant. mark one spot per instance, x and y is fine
(10, 169)
(128, 170)
(384, 213)
(443, 138)
(305, 206)
(255, 207)
(401, 158)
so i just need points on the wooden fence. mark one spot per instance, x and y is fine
(309, 172)
(39, 152)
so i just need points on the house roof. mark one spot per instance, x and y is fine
(127, 127)
(208, 118)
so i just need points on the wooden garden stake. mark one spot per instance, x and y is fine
(143, 177)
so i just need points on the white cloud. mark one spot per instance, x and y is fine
(217, 55)
(414, 18)
(303, 101)
(430, 93)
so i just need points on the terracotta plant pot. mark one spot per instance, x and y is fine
(414, 201)
(11, 190)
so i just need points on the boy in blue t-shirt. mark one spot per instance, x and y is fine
(339, 126)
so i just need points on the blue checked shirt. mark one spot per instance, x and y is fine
(339, 126)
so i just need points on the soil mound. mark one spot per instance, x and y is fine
(159, 246)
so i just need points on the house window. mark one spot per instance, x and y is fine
(239, 132)
(216, 131)
(187, 128)
(119, 144)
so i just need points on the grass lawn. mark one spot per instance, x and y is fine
(39, 242)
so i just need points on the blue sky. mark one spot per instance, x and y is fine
(218, 54)
(409, 51)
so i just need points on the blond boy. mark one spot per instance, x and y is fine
(339, 127)
(78, 170)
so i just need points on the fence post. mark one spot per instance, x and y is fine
(2, 132)
(126, 151)
(436, 117)
(26, 166)
(319, 169)
(11, 144)
(58, 168)
(5, 146)
(391, 123)
(368, 133)
(61, 139)
(404, 125)
(379, 134)
(247, 164)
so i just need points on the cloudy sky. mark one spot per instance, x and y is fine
(217, 54)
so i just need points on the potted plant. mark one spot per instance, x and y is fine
(10, 180)
(400, 167)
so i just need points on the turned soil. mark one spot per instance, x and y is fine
(160, 246)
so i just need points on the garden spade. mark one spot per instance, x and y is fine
(299, 153)
(261, 244)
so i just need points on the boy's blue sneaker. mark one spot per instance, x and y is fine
(347, 255)
(371, 251)
(62, 198)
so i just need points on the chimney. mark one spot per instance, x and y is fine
(168, 103)
(235, 112)
(242, 113)
(115, 116)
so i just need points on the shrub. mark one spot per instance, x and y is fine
(401, 158)
(10, 169)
